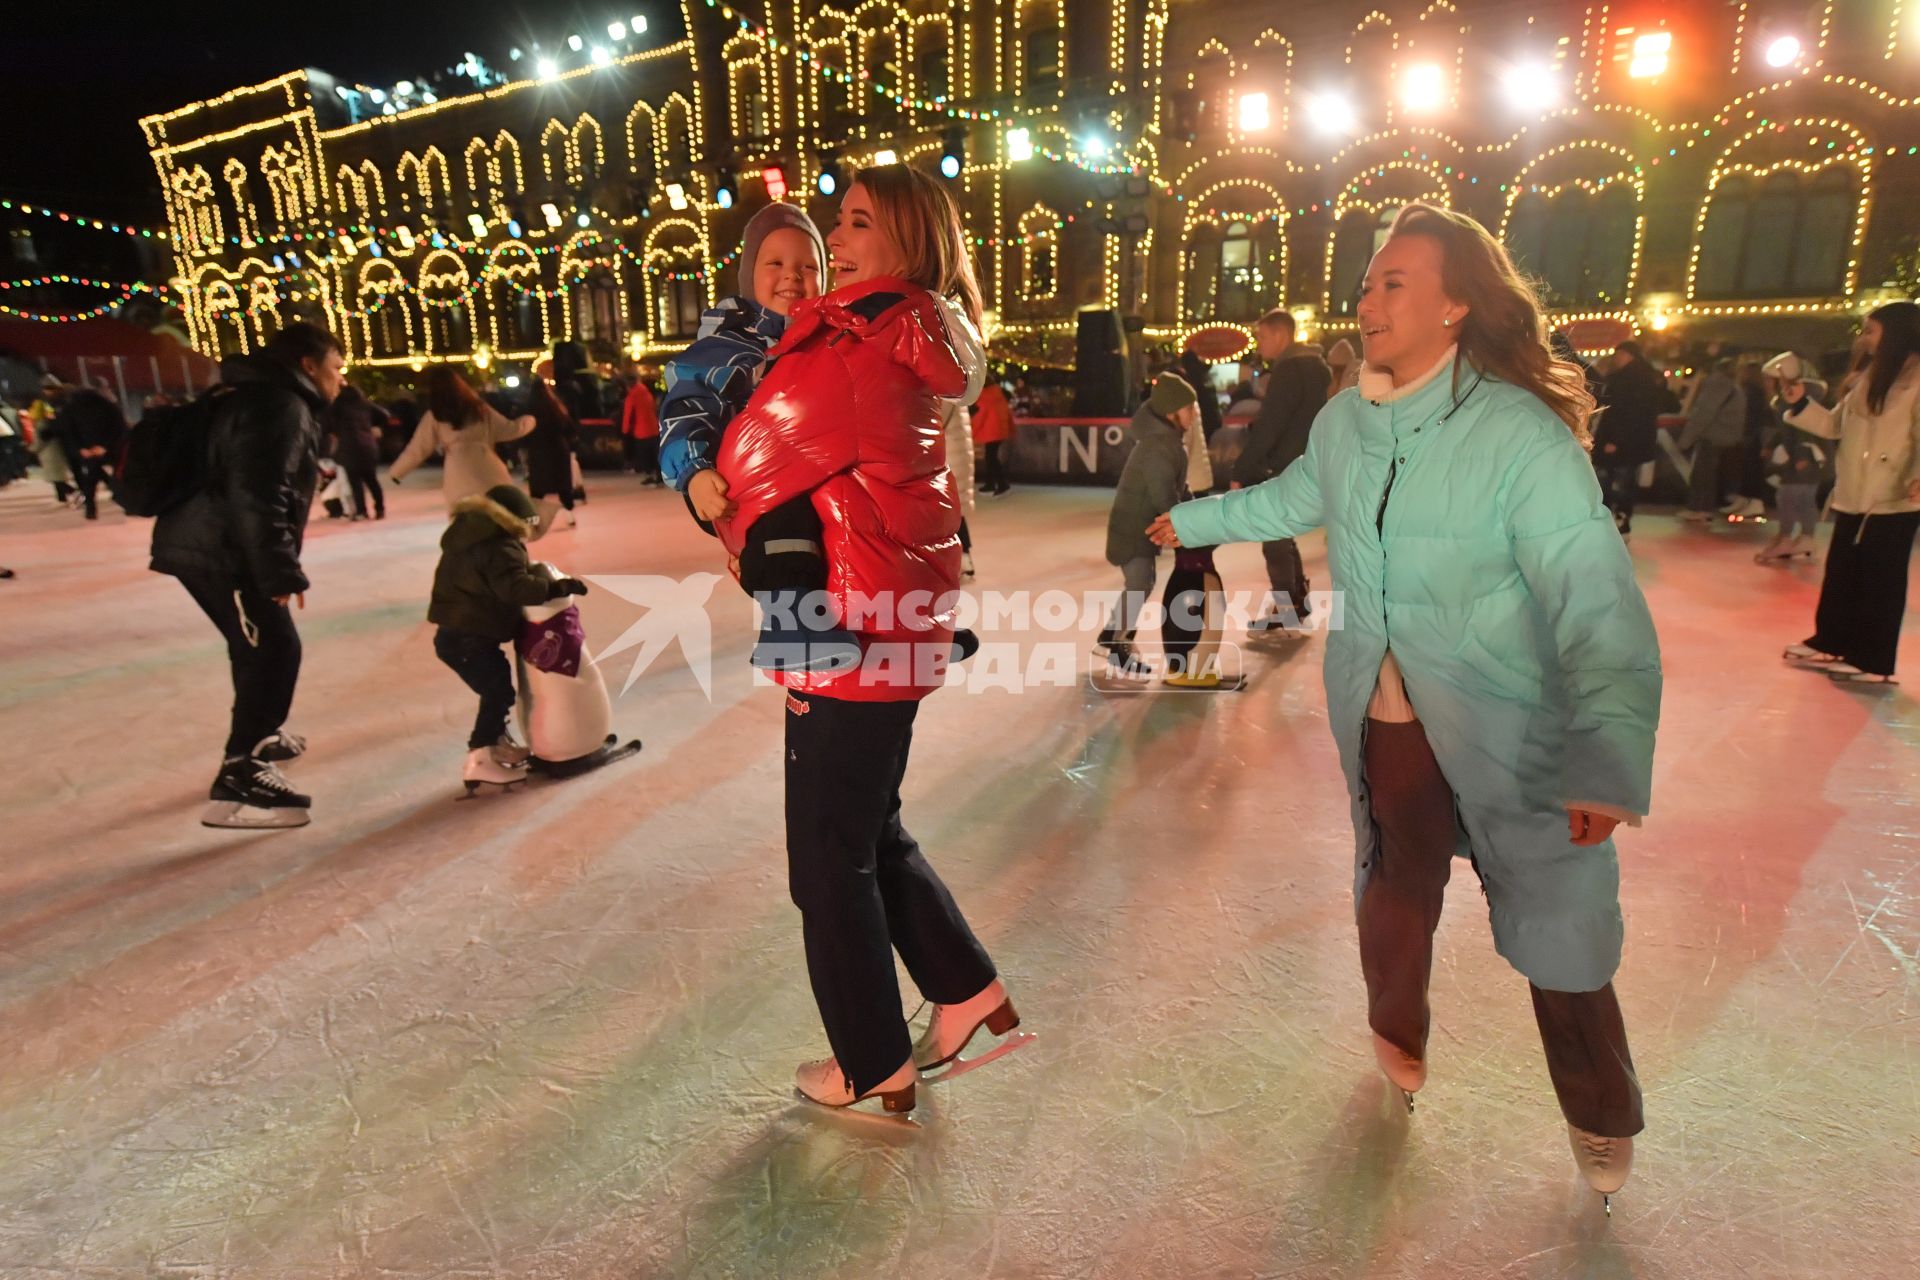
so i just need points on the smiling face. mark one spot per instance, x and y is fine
(1404, 308)
(787, 270)
(860, 249)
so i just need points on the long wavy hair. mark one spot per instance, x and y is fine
(451, 399)
(1899, 342)
(919, 216)
(1505, 331)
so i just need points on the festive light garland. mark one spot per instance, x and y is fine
(81, 220)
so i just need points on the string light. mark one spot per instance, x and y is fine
(803, 78)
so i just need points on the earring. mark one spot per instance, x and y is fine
(1447, 323)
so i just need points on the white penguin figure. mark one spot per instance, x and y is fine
(566, 712)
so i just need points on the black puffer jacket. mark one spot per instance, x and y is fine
(1296, 391)
(263, 452)
(484, 581)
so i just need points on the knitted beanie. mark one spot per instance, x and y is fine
(1171, 394)
(774, 217)
(514, 499)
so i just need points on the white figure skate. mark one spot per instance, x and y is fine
(953, 1027)
(1406, 1072)
(823, 1082)
(484, 769)
(1603, 1162)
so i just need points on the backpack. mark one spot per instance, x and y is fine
(164, 461)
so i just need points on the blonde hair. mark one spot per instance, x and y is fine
(1504, 332)
(917, 214)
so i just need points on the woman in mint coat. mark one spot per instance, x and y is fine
(1492, 673)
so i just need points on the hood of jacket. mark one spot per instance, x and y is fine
(1149, 427)
(262, 370)
(908, 322)
(480, 519)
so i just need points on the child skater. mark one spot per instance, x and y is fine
(479, 589)
(782, 261)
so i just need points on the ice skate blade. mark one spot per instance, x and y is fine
(474, 787)
(959, 1066)
(231, 815)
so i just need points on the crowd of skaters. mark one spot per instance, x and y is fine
(1358, 447)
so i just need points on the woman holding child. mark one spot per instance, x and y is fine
(842, 443)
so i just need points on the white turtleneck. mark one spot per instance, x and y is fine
(1390, 702)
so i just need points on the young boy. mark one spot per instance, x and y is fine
(1150, 484)
(479, 589)
(782, 260)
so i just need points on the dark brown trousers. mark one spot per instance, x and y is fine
(1584, 1038)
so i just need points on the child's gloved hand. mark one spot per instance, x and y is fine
(566, 587)
(708, 493)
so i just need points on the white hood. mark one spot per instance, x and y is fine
(968, 347)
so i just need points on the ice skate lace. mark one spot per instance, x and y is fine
(1599, 1150)
(270, 778)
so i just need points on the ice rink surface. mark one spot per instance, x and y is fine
(552, 1034)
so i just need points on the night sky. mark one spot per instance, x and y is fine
(76, 76)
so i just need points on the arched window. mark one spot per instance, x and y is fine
(1201, 271)
(1042, 48)
(676, 138)
(1787, 235)
(641, 145)
(882, 66)
(1039, 254)
(1353, 248)
(1212, 87)
(1577, 244)
(749, 110)
(832, 97)
(931, 70)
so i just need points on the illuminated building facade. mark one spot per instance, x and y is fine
(1738, 168)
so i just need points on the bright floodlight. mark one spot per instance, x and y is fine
(1783, 52)
(639, 25)
(1531, 86)
(884, 157)
(1019, 144)
(404, 88)
(1254, 113)
(1331, 113)
(616, 31)
(949, 166)
(575, 43)
(547, 68)
(1650, 55)
(676, 196)
(511, 381)
(1095, 146)
(599, 56)
(1424, 87)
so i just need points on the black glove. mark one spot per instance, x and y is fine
(566, 587)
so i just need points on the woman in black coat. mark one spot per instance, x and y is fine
(354, 423)
(549, 450)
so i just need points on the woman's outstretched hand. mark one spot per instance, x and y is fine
(1585, 827)
(1161, 532)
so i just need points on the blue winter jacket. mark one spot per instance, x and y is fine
(1465, 531)
(710, 382)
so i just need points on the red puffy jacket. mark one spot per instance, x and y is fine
(849, 410)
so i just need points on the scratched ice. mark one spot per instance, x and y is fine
(551, 1034)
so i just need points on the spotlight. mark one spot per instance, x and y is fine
(616, 31)
(1019, 145)
(1650, 55)
(1531, 86)
(724, 190)
(1783, 52)
(478, 223)
(1331, 113)
(1095, 145)
(1255, 115)
(511, 381)
(547, 68)
(676, 196)
(1424, 87)
(600, 56)
(514, 228)
(575, 43)
(828, 182)
(949, 166)
(886, 157)
(953, 152)
(776, 179)
(404, 88)
(639, 25)
(551, 212)
(582, 219)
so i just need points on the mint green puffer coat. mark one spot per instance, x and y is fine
(1495, 575)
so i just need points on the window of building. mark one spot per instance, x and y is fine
(1788, 235)
(1578, 246)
